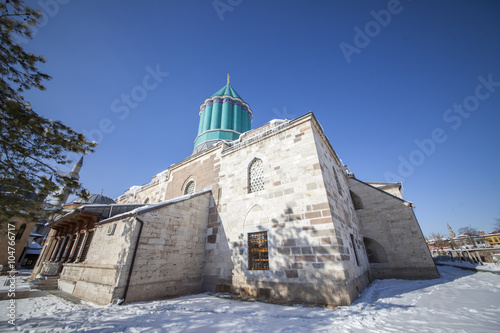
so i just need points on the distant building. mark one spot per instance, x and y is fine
(33, 246)
(493, 238)
(270, 212)
(440, 246)
(30, 235)
(470, 241)
(18, 238)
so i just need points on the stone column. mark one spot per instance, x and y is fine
(82, 245)
(78, 235)
(63, 245)
(478, 256)
(56, 249)
(68, 244)
(43, 256)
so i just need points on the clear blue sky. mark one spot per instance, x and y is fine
(379, 76)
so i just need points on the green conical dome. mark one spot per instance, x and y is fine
(224, 116)
(227, 90)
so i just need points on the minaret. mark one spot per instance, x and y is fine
(223, 116)
(74, 174)
(452, 234)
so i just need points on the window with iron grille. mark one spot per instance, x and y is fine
(189, 188)
(258, 251)
(255, 176)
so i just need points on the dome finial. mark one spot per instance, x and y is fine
(227, 78)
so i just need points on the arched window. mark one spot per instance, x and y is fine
(20, 232)
(255, 176)
(146, 201)
(356, 201)
(375, 252)
(189, 189)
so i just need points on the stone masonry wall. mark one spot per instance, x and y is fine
(392, 235)
(108, 261)
(306, 254)
(171, 252)
(347, 230)
(203, 169)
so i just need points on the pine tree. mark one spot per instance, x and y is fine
(439, 240)
(31, 146)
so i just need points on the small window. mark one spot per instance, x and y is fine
(255, 176)
(337, 181)
(258, 251)
(353, 244)
(189, 188)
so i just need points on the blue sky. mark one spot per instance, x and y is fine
(405, 90)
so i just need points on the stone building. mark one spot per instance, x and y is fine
(270, 212)
(14, 236)
(493, 238)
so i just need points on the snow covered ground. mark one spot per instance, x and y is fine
(459, 301)
(467, 265)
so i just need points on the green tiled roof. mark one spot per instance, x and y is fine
(227, 90)
(223, 116)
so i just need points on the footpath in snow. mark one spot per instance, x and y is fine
(459, 301)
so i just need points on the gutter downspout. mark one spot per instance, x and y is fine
(133, 259)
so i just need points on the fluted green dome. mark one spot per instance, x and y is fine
(224, 116)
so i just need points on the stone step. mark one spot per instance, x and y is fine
(47, 283)
(51, 278)
(46, 287)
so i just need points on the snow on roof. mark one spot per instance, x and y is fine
(149, 207)
(276, 122)
(466, 236)
(33, 251)
(259, 132)
(163, 173)
(134, 189)
(35, 245)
